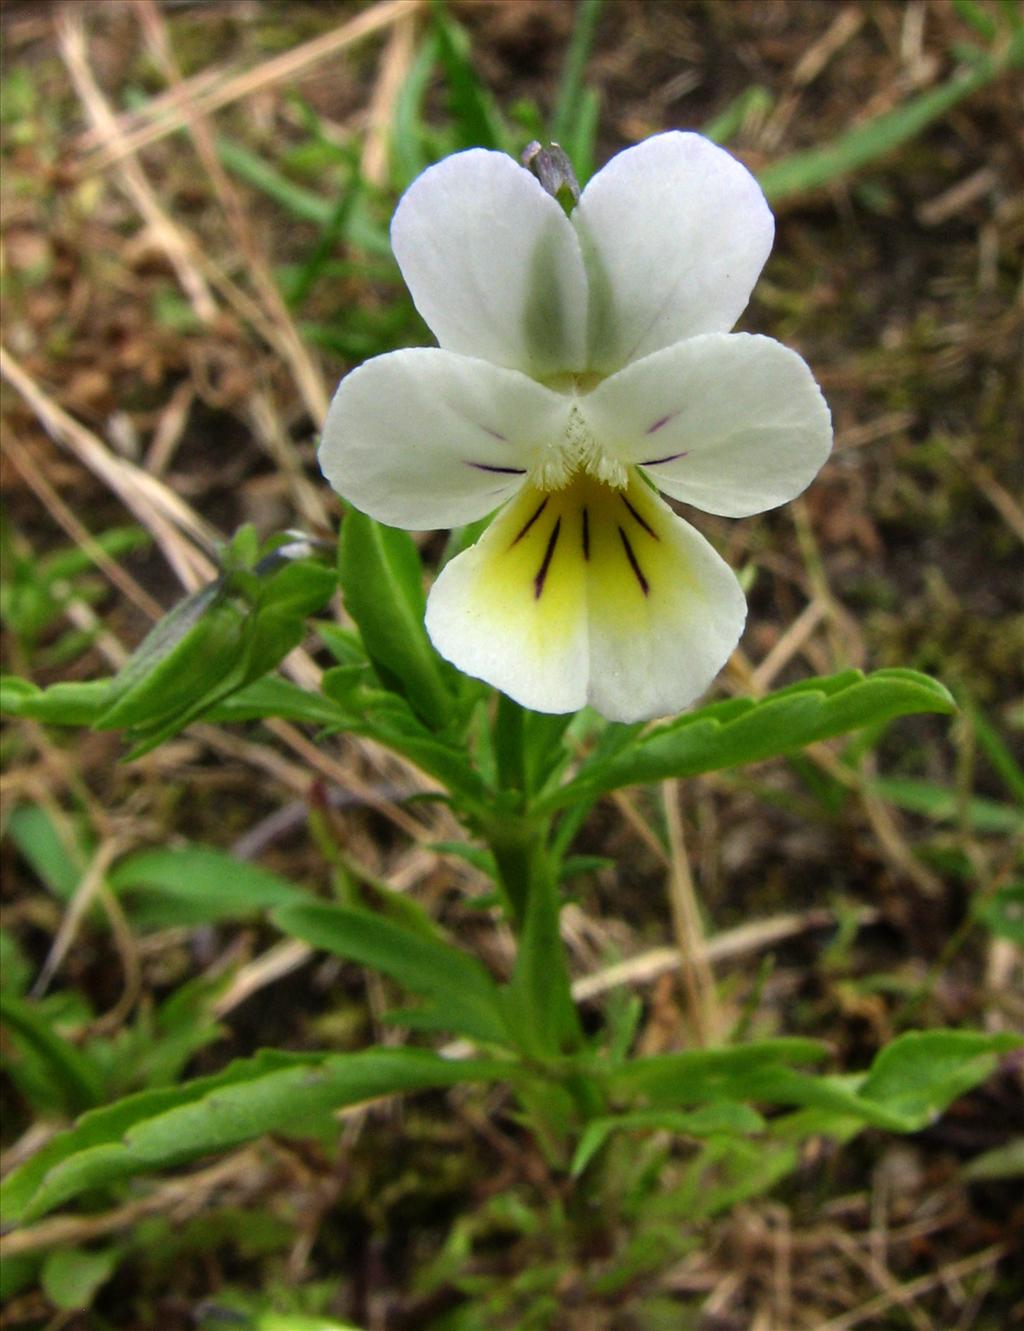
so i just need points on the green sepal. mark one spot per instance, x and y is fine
(382, 584)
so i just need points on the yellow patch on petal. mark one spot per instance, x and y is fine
(531, 571)
(584, 548)
(589, 593)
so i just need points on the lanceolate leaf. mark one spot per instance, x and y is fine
(740, 730)
(382, 582)
(78, 1080)
(199, 885)
(724, 1118)
(921, 1072)
(288, 1094)
(463, 996)
(60, 705)
(909, 1084)
(708, 1075)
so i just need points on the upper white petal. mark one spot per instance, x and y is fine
(425, 438)
(493, 263)
(674, 233)
(731, 423)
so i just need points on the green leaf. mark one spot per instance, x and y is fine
(215, 642)
(382, 583)
(741, 730)
(181, 661)
(71, 1276)
(875, 138)
(200, 885)
(979, 18)
(708, 1075)
(475, 113)
(753, 100)
(407, 147)
(573, 123)
(727, 1171)
(106, 1125)
(711, 1120)
(1002, 913)
(542, 1015)
(77, 1079)
(60, 705)
(390, 720)
(273, 696)
(16, 971)
(17, 1272)
(463, 996)
(910, 1083)
(333, 233)
(1002, 1162)
(920, 1073)
(997, 752)
(260, 174)
(943, 805)
(59, 855)
(273, 1092)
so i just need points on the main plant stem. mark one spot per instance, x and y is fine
(540, 983)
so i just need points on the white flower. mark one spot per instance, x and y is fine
(585, 363)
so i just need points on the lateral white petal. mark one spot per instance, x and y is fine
(731, 423)
(425, 438)
(674, 233)
(493, 263)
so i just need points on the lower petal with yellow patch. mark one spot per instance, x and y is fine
(589, 594)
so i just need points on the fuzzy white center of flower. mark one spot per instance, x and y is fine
(577, 451)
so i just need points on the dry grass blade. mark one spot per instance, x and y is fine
(288, 65)
(791, 642)
(903, 1295)
(846, 24)
(394, 68)
(649, 966)
(163, 513)
(308, 498)
(997, 495)
(274, 964)
(194, 268)
(881, 1276)
(304, 371)
(84, 894)
(159, 510)
(698, 981)
(71, 37)
(35, 479)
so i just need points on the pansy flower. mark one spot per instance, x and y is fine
(585, 363)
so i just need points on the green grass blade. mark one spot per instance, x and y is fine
(866, 143)
(997, 753)
(570, 114)
(335, 229)
(258, 173)
(408, 153)
(477, 120)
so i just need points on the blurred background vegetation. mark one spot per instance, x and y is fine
(195, 208)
